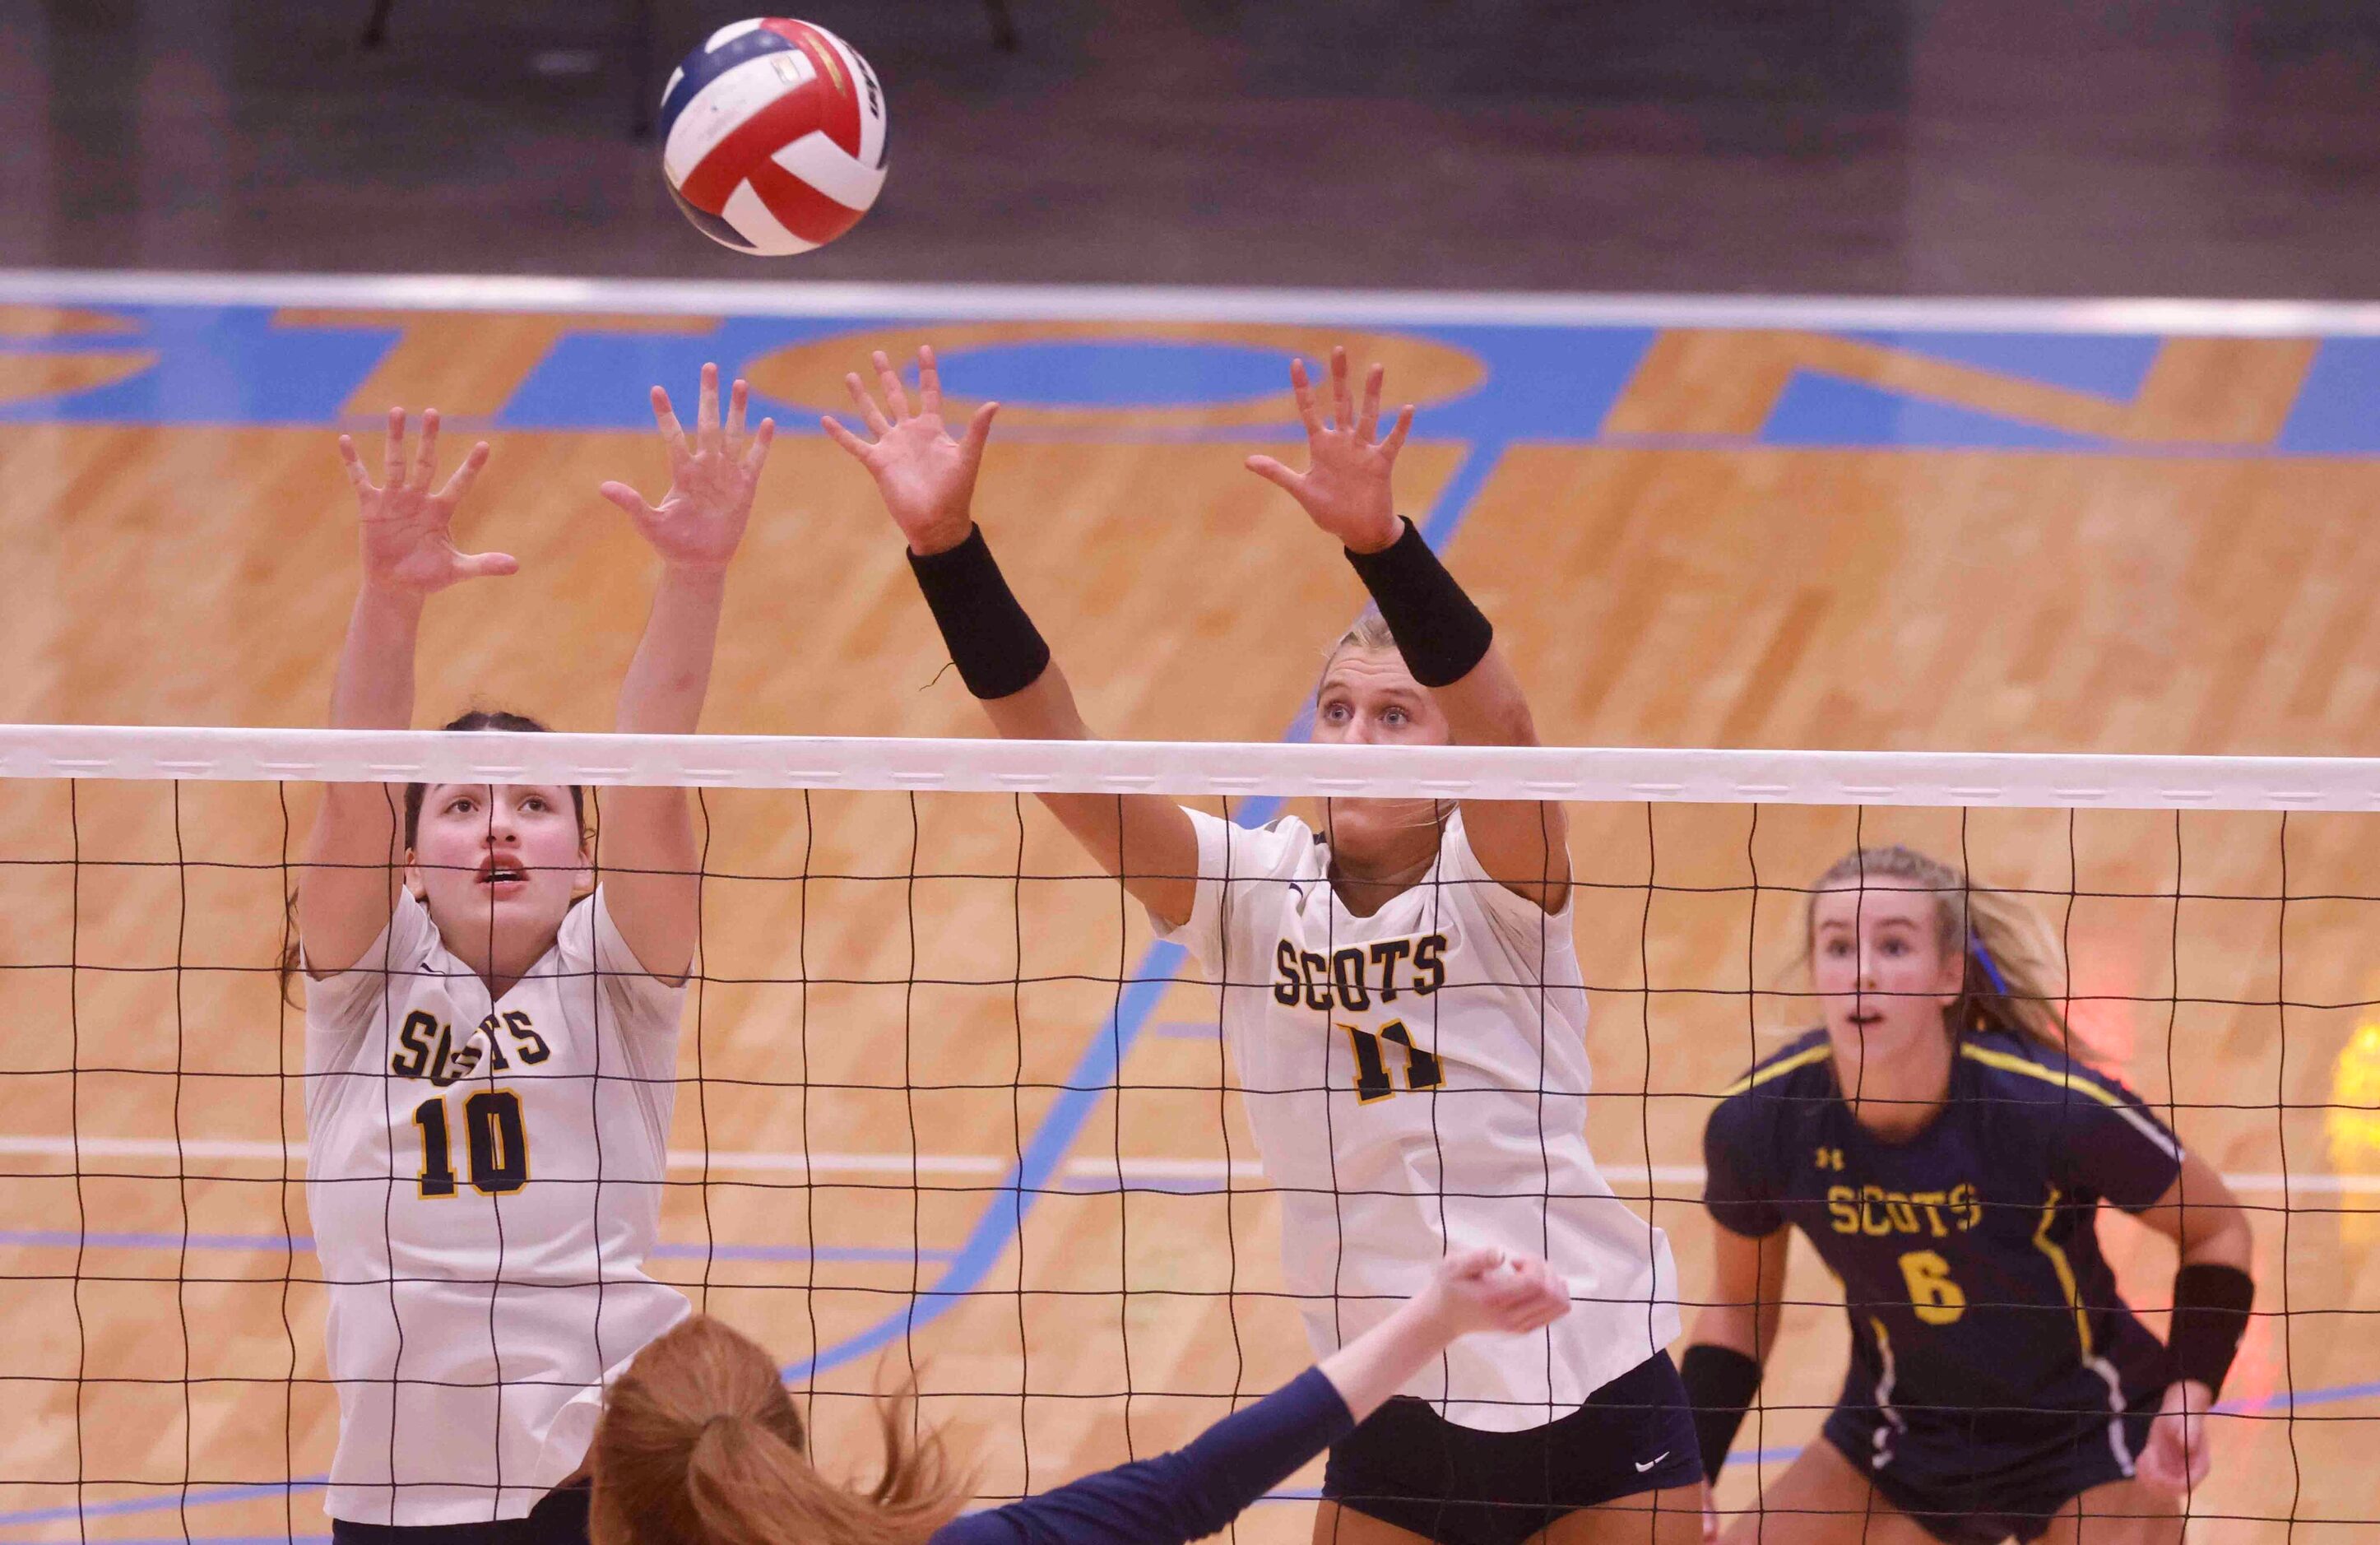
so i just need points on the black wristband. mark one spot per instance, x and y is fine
(1721, 1383)
(993, 643)
(2210, 1315)
(1438, 629)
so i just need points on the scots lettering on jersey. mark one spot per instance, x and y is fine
(426, 1049)
(1360, 975)
(1879, 1213)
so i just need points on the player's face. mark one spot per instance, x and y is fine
(1367, 698)
(497, 865)
(1882, 973)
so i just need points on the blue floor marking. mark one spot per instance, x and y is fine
(157, 1504)
(1002, 1220)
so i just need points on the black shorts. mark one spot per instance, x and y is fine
(1410, 1467)
(1965, 1490)
(559, 1518)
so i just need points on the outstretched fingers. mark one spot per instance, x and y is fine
(485, 566)
(391, 454)
(632, 503)
(666, 419)
(978, 430)
(757, 451)
(1396, 440)
(1301, 390)
(1342, 401)
(465, 475)
(425, 455)
(706, 410)
(888, 380)
(1368, 426)
(878, 425)
(843, 437)
(357, 479)
(738, 398)
(1274, 473)
(929, 381)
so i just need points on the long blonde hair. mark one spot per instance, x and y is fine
(700, 1444)
(2013, 980)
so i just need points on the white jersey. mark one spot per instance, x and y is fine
(1417, 1082)
(485, 1180)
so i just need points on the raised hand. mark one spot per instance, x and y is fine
(2176, 1458)
(926, 479)
(1345, 485)
(406, 531)
(700, 521)
(1487, 1289)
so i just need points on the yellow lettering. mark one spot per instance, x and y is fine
(1933, 1202)
(1874, 1220)
(1843, 1204)
(1932, 1295)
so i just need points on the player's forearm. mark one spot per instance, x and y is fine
(373, 689)
(669, 677)
(1743, 1328)
(1378, 1363)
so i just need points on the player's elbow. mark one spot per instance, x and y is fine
(2221, 1238)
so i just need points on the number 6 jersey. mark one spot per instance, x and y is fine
(1417, 1083)
(1969, 1253)
(485, 1180)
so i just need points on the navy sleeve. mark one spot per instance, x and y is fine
(2112, 1145)
(1176, 1497)
(1736, 1185)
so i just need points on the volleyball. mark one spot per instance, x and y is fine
(772, 136)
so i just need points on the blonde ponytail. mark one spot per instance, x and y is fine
(699, 1444)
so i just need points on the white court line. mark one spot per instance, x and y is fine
(1182, 303)
(1088, 1167)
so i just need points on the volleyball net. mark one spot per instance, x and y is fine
(945, 1106)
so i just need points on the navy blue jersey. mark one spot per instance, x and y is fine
(1969, 1254)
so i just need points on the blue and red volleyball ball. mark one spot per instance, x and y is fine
(772, 136)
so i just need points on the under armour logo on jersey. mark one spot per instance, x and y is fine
(1831, 1159)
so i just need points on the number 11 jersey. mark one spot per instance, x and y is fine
(1417, 1082)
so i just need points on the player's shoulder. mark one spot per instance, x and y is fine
(2016, 1069)
(1763, 1111)
(1800, 1068)
(1283, 846)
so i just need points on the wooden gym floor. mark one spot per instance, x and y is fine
(2043, 528)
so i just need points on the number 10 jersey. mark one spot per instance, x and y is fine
(485, 1181)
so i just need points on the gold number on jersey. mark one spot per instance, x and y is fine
(1936, 1300)
(1423, 1070)
(492, 1131)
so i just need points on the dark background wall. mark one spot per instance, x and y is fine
(2014, 147)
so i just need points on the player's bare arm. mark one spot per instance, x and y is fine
(1739, 1319)
(927, 481)
(650, 867)
(1346, 491)
(2209, 1228)
(405, 538)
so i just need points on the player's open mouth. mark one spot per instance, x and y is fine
(1867, 1017)
(504, 876)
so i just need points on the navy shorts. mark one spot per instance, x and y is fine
(559, 1518)
(1410, 1467)
(1969, 1488)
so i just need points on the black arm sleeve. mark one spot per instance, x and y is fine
(1176, 1497)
